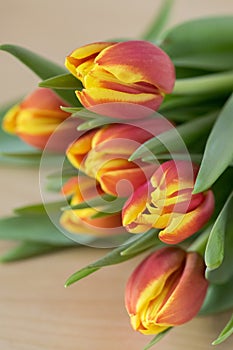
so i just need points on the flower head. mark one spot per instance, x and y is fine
(83, 221)
(135, 72)
(36, 117)
(166, 289)
(166, 202)
(103, 155)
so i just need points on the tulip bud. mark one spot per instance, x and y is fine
(103, 154)
(136, 72)
(167, 289)
(166, 202)
(82, 221)
(36, 117)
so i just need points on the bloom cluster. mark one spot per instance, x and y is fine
(133, 171)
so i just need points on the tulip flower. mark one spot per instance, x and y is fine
(103, 154)
(167, 289)
(82, 221)
(36, 117)
(136, 72)
(166, 202)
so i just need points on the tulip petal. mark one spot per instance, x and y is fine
(77, 224)
(185, 301)
(9, 123)
(83, 54)
(122, 182)
(94, 96)
(76, 153)
(183, 226)
(148, 279)
(136, 61)
(135, 205)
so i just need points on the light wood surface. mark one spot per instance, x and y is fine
(36, 311)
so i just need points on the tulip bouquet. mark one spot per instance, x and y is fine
(134, 138)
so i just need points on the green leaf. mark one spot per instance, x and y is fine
(214, 253)
(144, 242)
(180, 156)
(25, 158)
(222, 189)
(33, 228)
(219, 298)
(93, 123)
(63, 81)
(210, 43)
(27, 250)
(42, 67)
(39, 208)
(54, 182)
(218, 153)
(157, 338)
(172, 139)
(72, 110)
(226, 332)
(220, 245)
(111, 258)
(95, 202)
(154, 31)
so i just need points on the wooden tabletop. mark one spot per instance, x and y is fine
(36, 311)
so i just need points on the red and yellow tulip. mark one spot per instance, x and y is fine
(135, 72)
(103, 155)
(167, 289)
(36, 117)
(166, 202)
(82, 221)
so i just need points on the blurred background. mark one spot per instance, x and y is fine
(55, 28)
(36, 312)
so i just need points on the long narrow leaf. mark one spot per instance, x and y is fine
(42, 67)
(33, 228)
(219, 298)
(226, 332)
(218, 153)
(112, 258)
(210, 43)
(63, 81)
(214, 253)
(27, 250)
(224, 270)
(157, 338)
(173, 139)
(146, 241)
(154, 31)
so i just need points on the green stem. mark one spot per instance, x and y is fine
(207, 84)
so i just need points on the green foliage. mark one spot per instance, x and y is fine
(63, 81)
(34, 227)
(154, 31)
(219, 298)
(157, 338)
(174, 139)
(210, 43)
(42, 67)
(27, 250)
(226, 332)
(219, 250)
(116, 256)
(218, 153)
